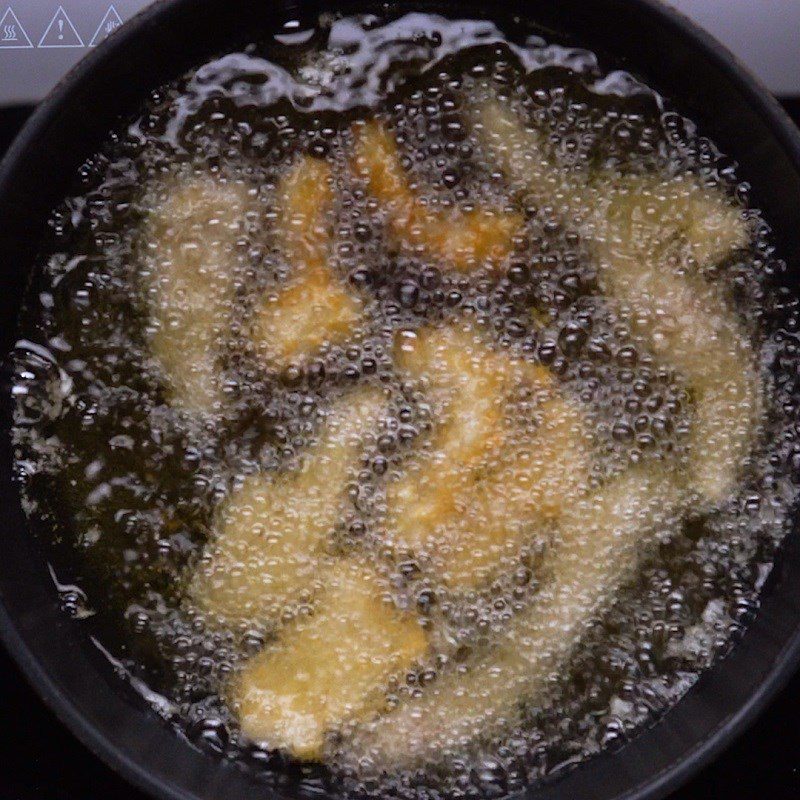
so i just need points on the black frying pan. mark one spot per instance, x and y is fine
(701, 80)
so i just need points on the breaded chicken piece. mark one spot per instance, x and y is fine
(521, 153)
(482, 487)
(189, 252)
(465, 240)
(653, 237)
(329, 667)
(314, 308)
(600, 540)
(653, 219)
(269, 533)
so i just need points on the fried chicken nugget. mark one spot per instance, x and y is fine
(314, 308)
(464, 239)
(597, 548)
(189, 252)
(654, 234)
(653, 237)
(520, 152)
(328, 667)
(471, 500)
(269, 532)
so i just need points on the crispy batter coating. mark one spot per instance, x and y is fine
(269, 533)
(599, 541)
(464, 239)
(189, 252)
(482, 487)
(329, 667)
(521, 153)
(653, 219)
(654, 236)
(314, 308)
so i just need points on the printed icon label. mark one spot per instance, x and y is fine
(12, 34)
(110, 22)
(60, 32)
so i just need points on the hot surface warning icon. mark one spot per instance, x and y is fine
(60, 32)
(110, 22)
(12, 34)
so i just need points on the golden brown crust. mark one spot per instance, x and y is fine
(482, 487)
(269, 533)
(314, 308)
(329, 667)
(464, 240)
(189, 252)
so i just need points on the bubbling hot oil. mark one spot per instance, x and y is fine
(411, 412)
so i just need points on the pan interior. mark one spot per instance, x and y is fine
(132, 526)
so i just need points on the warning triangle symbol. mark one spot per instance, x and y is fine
(12, 34)
(60, 32)
(110, 22)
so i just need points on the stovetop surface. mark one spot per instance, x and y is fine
(43, 761)
(41, 39)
